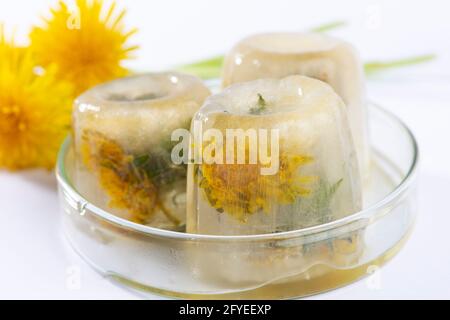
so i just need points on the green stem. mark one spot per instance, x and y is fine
(377, 66)
(211, 68)
(205, 69)
(329, 26)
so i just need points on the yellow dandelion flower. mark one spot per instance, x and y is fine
(241, 190)
(87, 45)
(34, 111)
(6, 48)
(127, 185)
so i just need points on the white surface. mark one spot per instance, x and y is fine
(36, 262)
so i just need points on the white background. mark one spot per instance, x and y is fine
(36, 262)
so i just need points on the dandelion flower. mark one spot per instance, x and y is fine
(87, 45)
(9, 51)
(34, 111)
(127, 184)
(240, 189)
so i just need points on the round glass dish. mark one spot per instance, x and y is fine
(271, 266)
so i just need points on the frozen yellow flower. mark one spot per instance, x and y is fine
(241, 190)
(34, 111)
(127, 185)
(87, 45)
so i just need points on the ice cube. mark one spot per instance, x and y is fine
(269, 156)
(277, 55)
(246, 264)
(122, 137)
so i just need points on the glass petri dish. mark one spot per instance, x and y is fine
(269, 266)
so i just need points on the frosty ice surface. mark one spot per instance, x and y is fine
(277, 55)
(316, 178)
(122, 137)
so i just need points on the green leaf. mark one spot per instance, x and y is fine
(321, 199)
(140, 161)
(205, 69)
(329, 26)
(260, 107)
(334, 188)
(377, 66)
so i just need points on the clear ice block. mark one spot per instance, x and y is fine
(294, 165)
(122, 138)
(277, 55)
